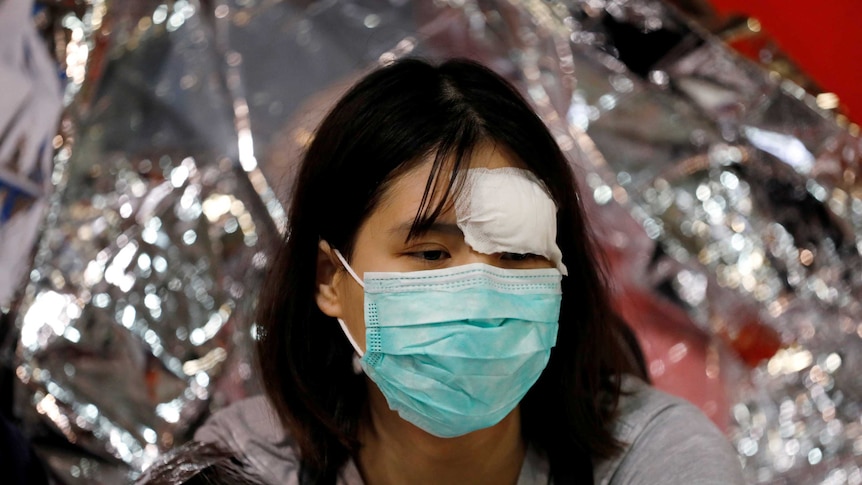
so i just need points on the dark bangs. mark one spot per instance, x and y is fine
(473, 117)
(413, 112)
(451, 155)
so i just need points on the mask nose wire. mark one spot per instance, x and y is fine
(340, 321)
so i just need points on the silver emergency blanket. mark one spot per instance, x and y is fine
(732, 197)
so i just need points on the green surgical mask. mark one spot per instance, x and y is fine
(455, 350)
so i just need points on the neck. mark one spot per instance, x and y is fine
(395, 451)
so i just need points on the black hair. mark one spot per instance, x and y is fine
(198, 464)
(394, 119)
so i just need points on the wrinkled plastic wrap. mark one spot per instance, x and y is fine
(726, 200)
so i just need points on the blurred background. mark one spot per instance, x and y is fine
(147, 149)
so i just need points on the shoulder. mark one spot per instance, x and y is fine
(668, 441)
(251, 430)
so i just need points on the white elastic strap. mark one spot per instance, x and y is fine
(347, 267)
(350, 337)
(340, 321)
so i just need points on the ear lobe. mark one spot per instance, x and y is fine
(328, 276)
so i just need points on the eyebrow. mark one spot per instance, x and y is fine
(435, 227)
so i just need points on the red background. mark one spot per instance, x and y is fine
(823, 38)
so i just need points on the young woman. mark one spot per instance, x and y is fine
(437, 314)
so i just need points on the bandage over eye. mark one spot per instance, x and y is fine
(508, 210)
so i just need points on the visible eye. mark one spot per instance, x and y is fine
(434, 255)
(429, 254)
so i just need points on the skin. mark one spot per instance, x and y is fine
(395, 451)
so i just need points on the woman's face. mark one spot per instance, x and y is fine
(381, 243)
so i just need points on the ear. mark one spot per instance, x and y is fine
(328, 275)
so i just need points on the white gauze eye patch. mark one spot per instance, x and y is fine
(508, 210)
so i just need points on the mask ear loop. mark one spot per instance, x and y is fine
(340, 321)
(347, 267)
(350, 338)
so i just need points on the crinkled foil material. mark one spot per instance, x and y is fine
(141, 294)
(726, 200)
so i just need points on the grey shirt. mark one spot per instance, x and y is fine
(669, 442)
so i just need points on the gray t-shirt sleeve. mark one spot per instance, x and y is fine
(670, 442)
(251, 430)
(679, 446)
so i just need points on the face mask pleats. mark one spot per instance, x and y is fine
(455, 350)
